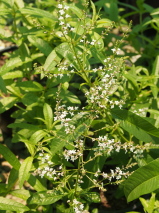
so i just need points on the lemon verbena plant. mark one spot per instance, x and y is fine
(74, 110)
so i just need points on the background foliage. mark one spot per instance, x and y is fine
(82, 89)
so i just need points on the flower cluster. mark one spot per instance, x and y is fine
(63, 16)
(117, 173)
(77, 206)
(110, 145)
(47, 168)
(74, 154)
(64, 115)
(100, 94)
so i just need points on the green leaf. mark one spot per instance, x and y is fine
(38, 13)
(65, 50)
(24, 126)
(51, 61)
(9, 156)
(155, 71)
(68, 96)
(48, 116)
(3, 188)
(24, 170)
(10, 64)
(148, 205)
(143, 181)
(8, 204)
(92, 197)
(21, 193)
(7, 102)
(155, 12)
(42, 45)
(113, 10)
(58, 142)
(104, 22)
(136, 125)
(37, 136)
(5, 11)
(2, 85)
(36, 184)
(12, 75)
(76, 10)
(30, 86)
(94, 16)
(46, 198)
(13, 177)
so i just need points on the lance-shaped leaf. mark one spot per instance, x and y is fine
(48, 116)
(143, 181)
(42, 45)
(46, 197)
(8, 204)
(38, 13)
(136, 125)
(9, 156)
(24, 170)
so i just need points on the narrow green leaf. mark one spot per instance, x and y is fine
(10, 64)
(137, 132)
(68, 96)
(137, 121)
(148, 205)
(104, 22)
(2, 85)
(5, 11)
(30, 86)
(113, 11)
(76, 10)
(58, 142)
(155, 71)
(42, 45)
(36, 184)
(21, 193)
(46, 198)
(13, 177)
(143, 181)
(24, 126)
(12, 75)
(48, 116)
(8, 204)
(94, 17)
(37, 136)
(51, 61)
(9, 156)
(3, 188)
(24, 170)
(38, 13)
(155, 12)
(65, 50)
(7, 102)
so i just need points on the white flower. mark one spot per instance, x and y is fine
(67, 16)
(61, 17)
(61, 12)
(59, 6)
(61, 23)
(66, 7)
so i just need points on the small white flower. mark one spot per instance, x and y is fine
(59, 6)
(66, 7)
(61, 12)
(61, 17)
(67, 16)
(61, 23)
